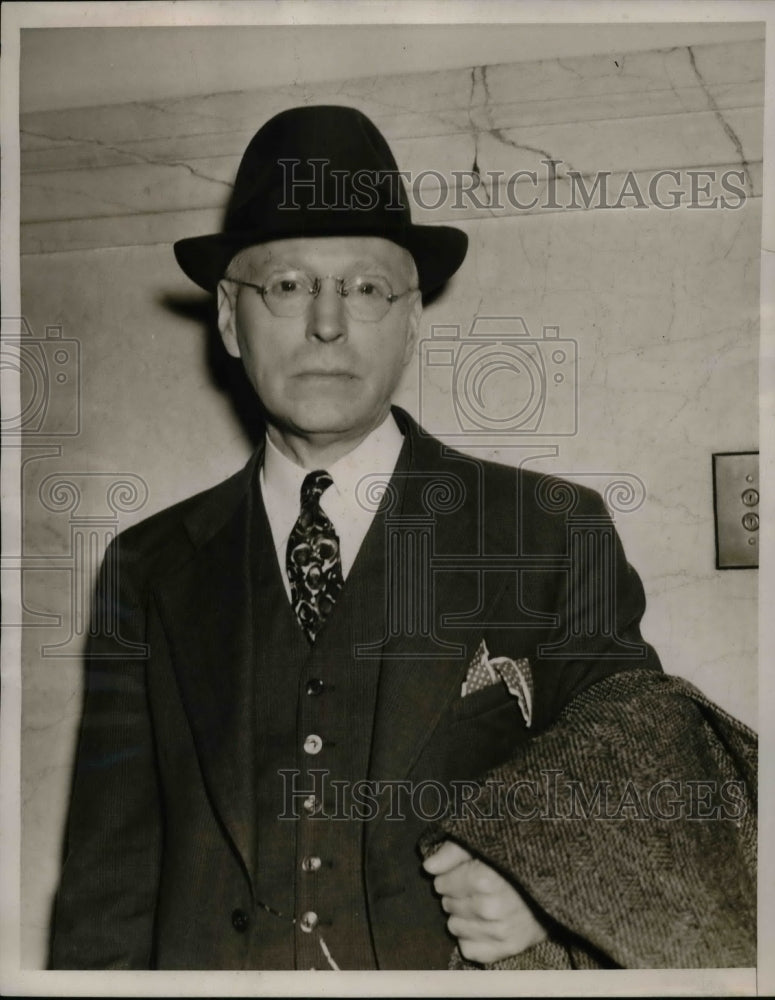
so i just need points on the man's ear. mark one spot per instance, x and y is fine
(227, 316)
(413, 327)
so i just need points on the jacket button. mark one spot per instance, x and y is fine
(308, 921)
(311, 863)
(240, 921)
(313, 744)
(314, 685)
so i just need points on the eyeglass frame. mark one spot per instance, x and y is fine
(313, 292)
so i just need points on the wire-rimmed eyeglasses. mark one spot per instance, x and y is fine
(366, 297)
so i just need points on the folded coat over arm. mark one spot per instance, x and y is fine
(639, 841)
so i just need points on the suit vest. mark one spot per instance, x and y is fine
(315, 709)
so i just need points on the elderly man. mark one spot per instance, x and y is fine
(245, 795)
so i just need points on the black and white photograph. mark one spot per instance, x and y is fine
(383, 401)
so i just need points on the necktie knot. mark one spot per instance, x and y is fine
(314, 486)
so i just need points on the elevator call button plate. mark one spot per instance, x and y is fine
(736, 505)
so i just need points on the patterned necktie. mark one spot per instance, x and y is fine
(313, 560)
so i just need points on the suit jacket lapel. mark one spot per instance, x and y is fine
(422, 673)
(206, 610)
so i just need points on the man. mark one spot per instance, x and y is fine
(331, 629)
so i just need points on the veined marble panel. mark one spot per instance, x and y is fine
(683, 108)
(448, 203)
(683, 78)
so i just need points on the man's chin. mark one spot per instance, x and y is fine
(330, 423)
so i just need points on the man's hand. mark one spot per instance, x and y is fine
(487, 914)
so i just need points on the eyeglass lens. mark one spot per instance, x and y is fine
(366, 297)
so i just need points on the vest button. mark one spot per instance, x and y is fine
(311, 804)
(314, 685)
(240, 921)
(308, 922)
(311, 863)
(313, 744)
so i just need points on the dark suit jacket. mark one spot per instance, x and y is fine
(161, 849)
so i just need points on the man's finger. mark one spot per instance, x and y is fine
(468, 930)
(471, 878)
(460, 906)
(485, 908)
(456, 882)
(448, 856)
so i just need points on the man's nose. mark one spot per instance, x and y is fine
(327, 318)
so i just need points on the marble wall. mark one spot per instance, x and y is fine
(658, 307)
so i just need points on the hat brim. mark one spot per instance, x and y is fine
(438, 251)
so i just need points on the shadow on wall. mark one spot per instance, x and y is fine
(226, 373)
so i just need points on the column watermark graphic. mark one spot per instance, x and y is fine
(68, 517)
(92, 525)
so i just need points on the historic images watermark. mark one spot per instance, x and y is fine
(498, 380)
(82, 509)
(556, 796)
(497, 384)
(323, 187)
(49, 371)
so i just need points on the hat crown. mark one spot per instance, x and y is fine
(305, 162)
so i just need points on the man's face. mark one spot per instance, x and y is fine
(322, 374)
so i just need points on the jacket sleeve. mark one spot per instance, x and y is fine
(598, 600)
(104, 909)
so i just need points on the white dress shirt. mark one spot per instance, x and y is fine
(281, 481)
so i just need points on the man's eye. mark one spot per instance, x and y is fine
(371, 289)
(288, 287)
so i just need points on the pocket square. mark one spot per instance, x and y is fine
(484, 670)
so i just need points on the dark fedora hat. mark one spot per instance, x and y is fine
(314, 171)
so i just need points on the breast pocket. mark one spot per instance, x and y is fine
(484, 700)
(482, 730)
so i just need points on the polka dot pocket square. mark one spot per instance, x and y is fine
(484, 670)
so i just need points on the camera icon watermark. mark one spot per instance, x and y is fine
(498, 381)
(49, 381)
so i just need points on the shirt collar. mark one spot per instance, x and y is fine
(281, 478)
